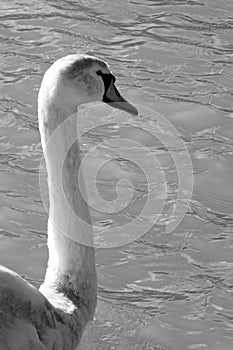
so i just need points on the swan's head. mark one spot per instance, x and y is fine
(77, 79)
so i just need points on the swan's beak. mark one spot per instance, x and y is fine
(115, 100)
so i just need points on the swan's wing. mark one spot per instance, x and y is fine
(27, 320)
(19, 305)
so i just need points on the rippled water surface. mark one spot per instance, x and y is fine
(168, 289)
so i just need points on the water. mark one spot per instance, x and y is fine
(164, 290)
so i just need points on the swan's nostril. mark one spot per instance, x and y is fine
(113, 97)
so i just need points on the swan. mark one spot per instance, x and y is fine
(54, 316)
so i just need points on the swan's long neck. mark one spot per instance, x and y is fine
(71, 266)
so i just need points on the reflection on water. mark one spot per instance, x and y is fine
(164, 291)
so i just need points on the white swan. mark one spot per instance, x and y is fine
(54, 316)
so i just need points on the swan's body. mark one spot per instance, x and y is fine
(55, 316)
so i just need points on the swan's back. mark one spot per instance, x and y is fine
(19, 326)
(28, 321)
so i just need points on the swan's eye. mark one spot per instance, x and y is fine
(106, 76)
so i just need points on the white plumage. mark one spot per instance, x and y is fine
(53, 318)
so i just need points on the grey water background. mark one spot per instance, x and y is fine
(163, 291)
